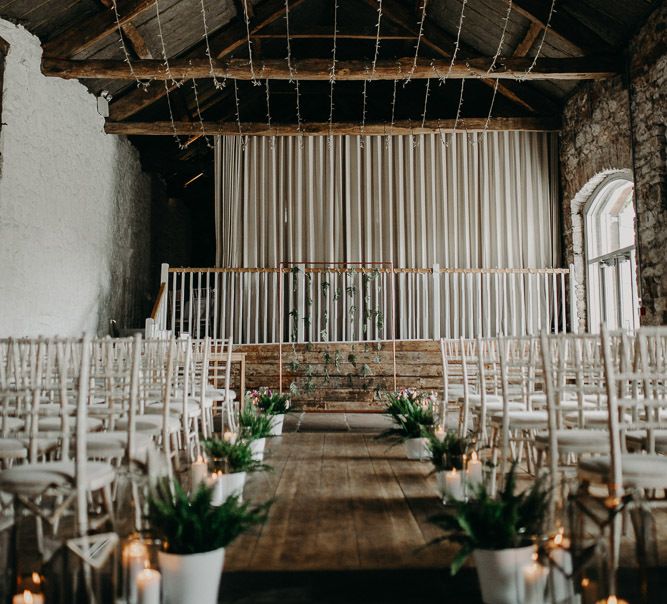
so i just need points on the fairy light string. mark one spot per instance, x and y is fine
(199, 115)
(238, 116)
(292, 75)
(377, 39)
(163, 46)
(539, 48)
(123, 46)
(268, 109)
(181, 146)
(246, 18)
(332, 75)
(418, 43)
(219, 84)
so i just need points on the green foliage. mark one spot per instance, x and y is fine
(412, 414)
(269, 401)
(232, 457)
(510, 520)
(190, 525)
(254, 425)
(448, 453)
(352, 359)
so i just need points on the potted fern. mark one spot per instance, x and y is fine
(194, 535)
(500, 533)
(255, 427)
(230, 461)
(446, 453)
(273, 404)
(412, 413)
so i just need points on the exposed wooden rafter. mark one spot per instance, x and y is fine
(223, 41)
(92, 29)
(578, 68)
(439, 41)
(528, 40)
(562, 26)
(318, 128)
(135, 39)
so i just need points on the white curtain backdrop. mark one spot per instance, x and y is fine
(478, 201)
(457, 200)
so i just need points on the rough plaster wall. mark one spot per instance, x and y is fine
(74, 207)
(649, 117)
(598, 125)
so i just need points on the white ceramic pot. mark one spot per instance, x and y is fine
(417, 448)
(191, 578)
(277, 424)
(257, 447)
(501, 574)
(227, 485)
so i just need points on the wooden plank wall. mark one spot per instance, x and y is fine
(344, 376)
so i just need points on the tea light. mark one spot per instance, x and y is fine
(135, 559)
(612, 600)
(562, 586)
(229, 437)
(198, 473)
(27, 597)
(217, 494)
(534, 582)
(474, 474)
(440, 433)
(453, 485)
(148, 586)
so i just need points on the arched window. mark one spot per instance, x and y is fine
(609, 219)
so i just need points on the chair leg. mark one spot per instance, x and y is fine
(107, 499)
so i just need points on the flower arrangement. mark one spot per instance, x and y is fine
(229, 456)
(507, 521)
(268, 401)
(191, 525)
(412, 412)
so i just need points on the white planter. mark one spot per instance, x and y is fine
(257, 448)
(191, 578)
(227, 485)
(277, 424)
(417, 448)
(501, 574)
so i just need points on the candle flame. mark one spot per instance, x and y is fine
(36, 579)
(454, 471)
(27, 596)
(612, 600)
(558, 539)
(200, 459)
(585, 582)
(473, 457)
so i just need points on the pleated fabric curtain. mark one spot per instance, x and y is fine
(456, 200)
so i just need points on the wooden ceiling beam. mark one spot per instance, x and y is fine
(523, 47)
(93, 29)
(133, 35)
(223, 41)
(227, 128)
(562, 26)
(577, 68)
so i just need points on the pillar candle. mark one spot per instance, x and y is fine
(135, 559)
(148, 586)
(440, 433)
(474, 473)
(27, 597)
(217, 494)
(198, 473)
(534, 582)
(229, 437)
(454, 485)
(562, 585)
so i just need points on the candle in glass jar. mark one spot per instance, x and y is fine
(27, 597)
(562, 585)
(440, 433)
(217, 485)
(534, 582)
(453, 485)
(148, 586)
(474, 475)
(198, 473)
(229, 437)
(135, 559)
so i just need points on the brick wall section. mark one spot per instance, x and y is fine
(596, 140)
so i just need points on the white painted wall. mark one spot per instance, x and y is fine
(72, 200)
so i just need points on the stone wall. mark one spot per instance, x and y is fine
(599, 122)
(75, 207)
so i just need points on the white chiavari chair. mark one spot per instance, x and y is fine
(11, 448)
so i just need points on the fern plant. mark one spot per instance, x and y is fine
(507, 521)
(254, 425)
(412, 413)
(229, 457)
(269, 401)
(191, 525)
(447, 453)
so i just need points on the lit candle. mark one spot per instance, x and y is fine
(474, 475)
(440, 433)
(148, 586)
(534, 582)
(453, 485)
(563, 588)
(229, 437)
(612, 600)
(135, 559)
(217, 494)
(27, 597)
(198, 473)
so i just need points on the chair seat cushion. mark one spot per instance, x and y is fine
(174, 409)
(639, 471)
(497, 406)
(12, 448)
(151, 424)
(33, 479)
(640, 438)
(576, 440)
(523, 419)
(592, 418)
(13, 424)
(476, 399)
(54, 424)
(110, 445)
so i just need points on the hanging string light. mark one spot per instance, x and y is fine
(181, 146)
(393, 112)
(501, 42)
(140, 84)
(219, 84)
(199, 116)
(332, 75)
(165, 57)
(246, 17)
(268, 110)
(419, 39)
(244, 139)
(457, 46)
(292, 75)
(539, 47)
(428, 87)
(377, 39)
(459, 107)
(363, 114)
